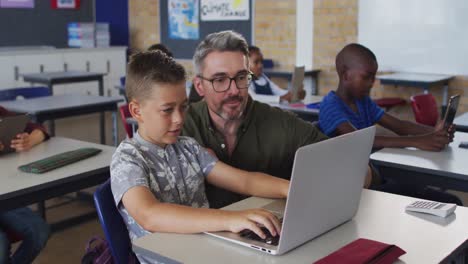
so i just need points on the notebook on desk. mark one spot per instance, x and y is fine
(10, 126)
(59, 160)
(322, 195)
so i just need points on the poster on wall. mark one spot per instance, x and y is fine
(224, 10)
(66, 4)
(183, 19)
(17, 3)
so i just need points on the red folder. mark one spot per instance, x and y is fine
(364, 251)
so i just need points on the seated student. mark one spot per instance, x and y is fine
(351, 108)
(262, 88)
(157, 177)
(32, 229)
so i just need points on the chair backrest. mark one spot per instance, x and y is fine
(111, 221)
(124, 114)
(425, 109)
(122, 81)
(268, 63)
(26, 92)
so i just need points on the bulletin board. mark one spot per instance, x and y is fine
(184, 23)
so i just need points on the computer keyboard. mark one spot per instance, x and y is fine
(270, 240)
(59, 160)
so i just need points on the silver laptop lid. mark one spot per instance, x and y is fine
(326, 186)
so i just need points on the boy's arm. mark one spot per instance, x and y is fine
(248, 183)
(403, 127)
(156, 216)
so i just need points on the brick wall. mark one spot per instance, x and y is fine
(335, 25)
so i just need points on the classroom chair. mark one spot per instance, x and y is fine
(113, 225)
(26, 92)
(122, 81)
(425, 109)
(268, 63)
(124, 114)
(389, 102)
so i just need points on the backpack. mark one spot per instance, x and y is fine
(97, 252)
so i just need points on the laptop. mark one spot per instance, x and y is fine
(325, 191)
(10, 126)
(296, 83)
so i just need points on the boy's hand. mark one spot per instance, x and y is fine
(22, 142)
(435, 141)
(251, 219)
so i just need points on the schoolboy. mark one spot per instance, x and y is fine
(158, 177)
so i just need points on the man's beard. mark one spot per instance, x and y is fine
(235, 116)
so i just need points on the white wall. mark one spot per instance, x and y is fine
(426, 36)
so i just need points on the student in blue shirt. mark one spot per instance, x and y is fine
(350, 108)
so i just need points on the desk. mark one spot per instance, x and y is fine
(20, 189)
(60, 106)
(381, 217)
(311, 76)
(52, 78)
(447, 169)
(300, 108)
(461, 122)
(424, 81)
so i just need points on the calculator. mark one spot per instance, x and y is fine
(430, 207)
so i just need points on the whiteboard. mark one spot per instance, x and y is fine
(421, 36)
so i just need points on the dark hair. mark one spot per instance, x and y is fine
(351, 54)
(254, 49)
(150, 67)
(161, 47)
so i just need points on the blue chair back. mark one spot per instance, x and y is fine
(27, 92)
(114, 227)
(122, 81)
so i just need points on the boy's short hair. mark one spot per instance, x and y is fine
(351, 54)
(254, 49)
(161, 47)
(148, 68)
(219, 41)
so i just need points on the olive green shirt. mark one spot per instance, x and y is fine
(267, 140)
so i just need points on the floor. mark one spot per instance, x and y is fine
(68, 245)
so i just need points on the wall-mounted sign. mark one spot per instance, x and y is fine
(183, 19)
(224, 10)
(67, 4)
(17, 3)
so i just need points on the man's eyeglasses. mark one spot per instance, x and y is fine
(223, 83)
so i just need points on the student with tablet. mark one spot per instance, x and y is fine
(32, 229)
(264, 90)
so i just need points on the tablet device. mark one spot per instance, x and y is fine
(296, 83)
(10, 126)
(451, 110)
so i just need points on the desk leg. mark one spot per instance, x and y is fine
(51, 122)
(41, 209)
(102, 117)
(114, 128)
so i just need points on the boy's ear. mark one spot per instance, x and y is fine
(197, 83)
(134, 108)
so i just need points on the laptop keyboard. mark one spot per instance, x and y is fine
(59, 160)
(270, 240)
